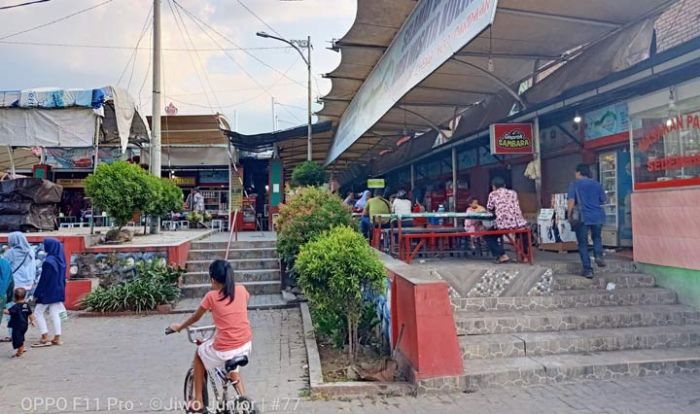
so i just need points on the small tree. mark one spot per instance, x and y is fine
(121, 189)
(308, 173)
(334, 271)
(166, 197)
(308, 213)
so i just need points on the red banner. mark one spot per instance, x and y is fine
(512, 139)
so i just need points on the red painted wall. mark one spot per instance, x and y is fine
(665, 227)
(429, 341)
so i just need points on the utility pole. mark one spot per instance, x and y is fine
(155, 116)
(308, 127)
(274, 116)
(297, 45)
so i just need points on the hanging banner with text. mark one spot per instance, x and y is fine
(434, 32)
(512, 139)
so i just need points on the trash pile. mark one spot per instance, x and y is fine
(29, 204)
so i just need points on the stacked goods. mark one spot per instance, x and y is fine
(559, 204)
(29, 204)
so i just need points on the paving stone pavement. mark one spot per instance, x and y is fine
(106, 362)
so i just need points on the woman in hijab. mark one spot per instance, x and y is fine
(362, 202)
(6, 289)
(21, 258)
(51, 292)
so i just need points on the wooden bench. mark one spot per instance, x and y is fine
(408, 253)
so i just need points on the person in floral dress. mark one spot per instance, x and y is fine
(505, 205)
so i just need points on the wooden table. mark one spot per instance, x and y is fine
(432, 235)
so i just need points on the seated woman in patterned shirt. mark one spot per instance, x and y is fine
(505, 205)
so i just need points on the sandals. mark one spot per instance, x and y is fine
(6, 339)
(56, 343)
(499, 261)
(42, 344)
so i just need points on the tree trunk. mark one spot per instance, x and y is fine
(350, 342)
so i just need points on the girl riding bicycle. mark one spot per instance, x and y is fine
(228, 303)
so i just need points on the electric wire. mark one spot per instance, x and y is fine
(132, 56)
(259, 18)
(60, 19)
(29, 3)
(118, 47)
(194, 65)
(200, 23)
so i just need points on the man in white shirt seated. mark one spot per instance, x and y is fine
(402, 205)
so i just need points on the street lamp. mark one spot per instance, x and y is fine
(297, 45)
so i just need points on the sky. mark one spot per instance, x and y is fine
(98, 47)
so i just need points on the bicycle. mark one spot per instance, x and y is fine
(217, 395)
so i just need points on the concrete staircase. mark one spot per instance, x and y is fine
(255, 265)
(582, 330)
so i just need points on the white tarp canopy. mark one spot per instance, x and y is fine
(527, 37)
(70, 127)
(51, 117)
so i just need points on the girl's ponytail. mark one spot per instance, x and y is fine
(222, 272)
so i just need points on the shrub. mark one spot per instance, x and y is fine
(121, 189)
(336, 270)
(154, 284)
(308, 173)
(166, 197)
(308, 213)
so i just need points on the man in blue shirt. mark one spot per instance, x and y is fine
(588, 194)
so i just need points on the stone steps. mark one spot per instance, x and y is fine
(221, 245)
(239, 264)
(470, 323)
(569, 299)
(583, 341)
(256, 302)
(263, 275)
(234, 254)
(622, 281)
(255, 263)
(557, 368)
(254, 288)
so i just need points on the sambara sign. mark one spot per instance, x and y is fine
(512, 139)
(434, 32)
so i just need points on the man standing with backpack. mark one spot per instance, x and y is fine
(585, 201)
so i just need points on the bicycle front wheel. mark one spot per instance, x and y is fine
(189, 388)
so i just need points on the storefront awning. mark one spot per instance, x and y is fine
(51, 117)
(409, 67)
(291, 143)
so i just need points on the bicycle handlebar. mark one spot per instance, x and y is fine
(192, 331)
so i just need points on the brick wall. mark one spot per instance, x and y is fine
(678, 24)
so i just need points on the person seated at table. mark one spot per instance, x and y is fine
(471, 225)
(375, 205)
(506, 207)
(402, 205)
(419, 221)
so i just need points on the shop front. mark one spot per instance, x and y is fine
(666, 200)
(599, 138)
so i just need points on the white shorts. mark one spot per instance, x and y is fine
(211, 358)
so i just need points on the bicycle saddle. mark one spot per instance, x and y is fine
(236, 362)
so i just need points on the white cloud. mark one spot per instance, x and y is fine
(120, 22)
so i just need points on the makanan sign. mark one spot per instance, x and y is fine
(433, 33)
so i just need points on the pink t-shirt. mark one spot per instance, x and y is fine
(231, 319)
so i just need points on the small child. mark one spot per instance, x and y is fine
(20, 319)
(471, 225)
